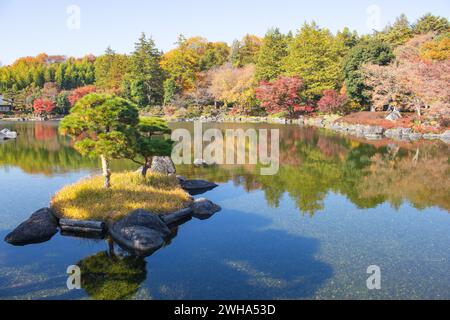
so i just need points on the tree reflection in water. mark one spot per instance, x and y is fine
(112, 275)
(313, 163)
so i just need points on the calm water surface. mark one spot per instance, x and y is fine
(337, 206)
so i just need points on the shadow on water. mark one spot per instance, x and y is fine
(233, 256)
(252, 262)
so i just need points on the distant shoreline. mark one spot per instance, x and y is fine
(368, 132)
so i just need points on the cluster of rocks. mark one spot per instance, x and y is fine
(221, 119)
(376, 132)
(365, 131)
(140, 233)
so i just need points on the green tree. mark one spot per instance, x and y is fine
(102, 125)
(314, 56)
(146, 75)
(170, 90)
(246, 51)
(214, 54)
(269, 64)
(372, 51)
(62, 102)
(346, 40)
(398, 33)
(431, 23)
(110, 70)
(151, 141)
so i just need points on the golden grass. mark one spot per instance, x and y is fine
(89, 200)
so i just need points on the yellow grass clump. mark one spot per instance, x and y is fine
(89, 200)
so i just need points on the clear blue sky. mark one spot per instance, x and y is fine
(31, 27)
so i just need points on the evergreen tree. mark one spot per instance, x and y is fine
(431, 23)
(314, 56)
(270, 58)
(146, 75)
(398, 33)
(373, 51)
(102, 126)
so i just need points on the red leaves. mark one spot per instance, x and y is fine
(282, 95)
(42, 106)
(79, 93)
(332, 102)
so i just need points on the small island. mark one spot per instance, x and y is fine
(136, 210)
(89, 200)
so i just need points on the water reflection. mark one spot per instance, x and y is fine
(115, 274)
(111, 277)
(312, 164)
(39, 149)
(366, 198)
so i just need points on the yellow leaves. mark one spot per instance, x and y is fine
(436, 50)
(234, 85)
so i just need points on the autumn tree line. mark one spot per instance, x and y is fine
(406, 66)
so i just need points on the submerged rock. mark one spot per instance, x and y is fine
(163, 165)
(141, 232)
(40, 227)
(195, 185)
(204, 209)
(178, 217)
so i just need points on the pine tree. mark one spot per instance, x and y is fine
(270, 58)
(314, 56)
(147, 73)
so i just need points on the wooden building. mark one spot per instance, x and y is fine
(5, 105)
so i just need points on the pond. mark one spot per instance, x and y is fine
(337, 206)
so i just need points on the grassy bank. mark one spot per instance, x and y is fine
(88, 200)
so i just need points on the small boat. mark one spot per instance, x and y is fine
(8, 134)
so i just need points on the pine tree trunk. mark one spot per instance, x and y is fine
(106, 172)
(146, 166)
(111, 251)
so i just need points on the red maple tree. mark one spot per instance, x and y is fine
(79, 93)
(332, 102)
(282, 95)
(43, 106)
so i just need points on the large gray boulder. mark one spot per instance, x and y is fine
(163, 165)
(140, 233)
(394, 116)
(40, 227)
(138, 240)
(446, 136)
(204, 209)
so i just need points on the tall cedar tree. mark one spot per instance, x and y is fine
(144, 83)
(269, 64)
(314, 56)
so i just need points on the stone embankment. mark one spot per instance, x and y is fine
(366, 131)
